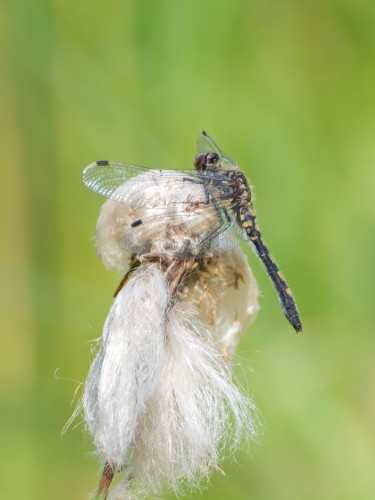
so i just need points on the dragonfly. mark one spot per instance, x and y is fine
(226, 207)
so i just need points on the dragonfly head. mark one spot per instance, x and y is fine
(210, 156)
(206, 161)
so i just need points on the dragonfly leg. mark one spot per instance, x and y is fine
(136, 263)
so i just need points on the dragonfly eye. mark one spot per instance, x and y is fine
(212, 158)
(205, 160)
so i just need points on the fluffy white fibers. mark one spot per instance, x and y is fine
(129, 365)
(159, 400)
(225, 295)
(188, 419)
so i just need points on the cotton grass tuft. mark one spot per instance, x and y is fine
(159, 401)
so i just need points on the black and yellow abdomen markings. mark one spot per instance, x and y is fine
(247, 220)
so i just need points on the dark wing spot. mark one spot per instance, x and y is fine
(102, 163)
(136, 223)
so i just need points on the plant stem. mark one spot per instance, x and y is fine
(105, 482)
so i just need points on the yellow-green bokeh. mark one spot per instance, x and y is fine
(285, 87)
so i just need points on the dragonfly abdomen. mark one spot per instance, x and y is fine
(247, 220)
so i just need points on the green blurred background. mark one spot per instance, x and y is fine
(285, 87)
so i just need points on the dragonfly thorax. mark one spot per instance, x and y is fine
(240, 186)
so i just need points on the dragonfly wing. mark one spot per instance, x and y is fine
(205, 144)
(105, 177)
(183, 233)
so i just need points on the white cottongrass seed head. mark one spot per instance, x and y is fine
(159, 401)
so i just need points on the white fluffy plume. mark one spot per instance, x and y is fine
(128, 367)
(159, 400)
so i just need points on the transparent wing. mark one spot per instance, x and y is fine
(213, 228)
(205, 144)
(105, 177)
